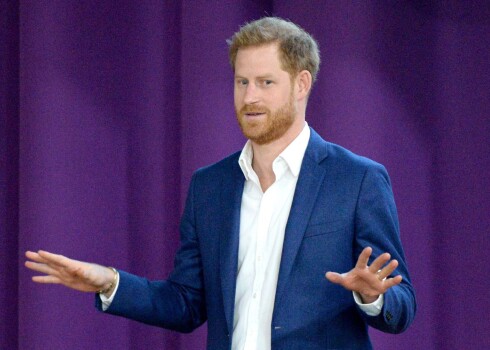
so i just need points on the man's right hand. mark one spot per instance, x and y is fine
(78, 275)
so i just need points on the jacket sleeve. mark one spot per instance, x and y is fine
(377, 226)
(177, 303)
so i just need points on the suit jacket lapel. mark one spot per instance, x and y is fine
(231, 197)
(309, 181)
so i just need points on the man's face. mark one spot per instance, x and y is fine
(264, 95)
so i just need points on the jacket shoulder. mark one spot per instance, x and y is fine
(346, 158)
(224, 166)
(327, 153)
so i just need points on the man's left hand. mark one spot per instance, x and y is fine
(369, 281)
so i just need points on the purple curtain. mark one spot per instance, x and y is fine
(108, 107)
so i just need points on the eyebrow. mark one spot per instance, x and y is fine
(265, 76)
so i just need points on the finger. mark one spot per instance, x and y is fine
(40, 267)
(35, 257)
(46, 279)
(363, 259)
(391, 282)
(388, 269)
(42, 258)
(56, 259)
(334, 277)
(379, 262)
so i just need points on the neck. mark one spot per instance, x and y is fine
(264, 155)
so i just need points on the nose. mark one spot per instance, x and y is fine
(251, 94)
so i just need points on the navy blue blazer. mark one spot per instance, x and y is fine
(342, 204)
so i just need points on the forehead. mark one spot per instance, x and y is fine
(263, 59)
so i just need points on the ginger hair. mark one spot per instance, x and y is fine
(297, 49)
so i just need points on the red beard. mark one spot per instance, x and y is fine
(268, 128)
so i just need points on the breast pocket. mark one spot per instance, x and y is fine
(323, 228)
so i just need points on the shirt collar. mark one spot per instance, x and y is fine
(293, 154)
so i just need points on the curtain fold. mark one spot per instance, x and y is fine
(9, 174)
(107, 108)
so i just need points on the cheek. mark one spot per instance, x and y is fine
(275, 102)
(237, 97)
(281, 96)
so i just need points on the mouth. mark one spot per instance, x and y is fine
(253, 114)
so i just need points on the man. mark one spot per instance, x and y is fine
(261, 227)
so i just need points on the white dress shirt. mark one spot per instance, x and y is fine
(263, 219)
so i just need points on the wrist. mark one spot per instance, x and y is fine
(108, 288)
(368, 299)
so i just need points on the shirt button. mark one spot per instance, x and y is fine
(255, 295)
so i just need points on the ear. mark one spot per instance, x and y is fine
(303, 84)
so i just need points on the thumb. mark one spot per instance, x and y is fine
(334, 277)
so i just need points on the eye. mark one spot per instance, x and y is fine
(242, 82)
(267, 82)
